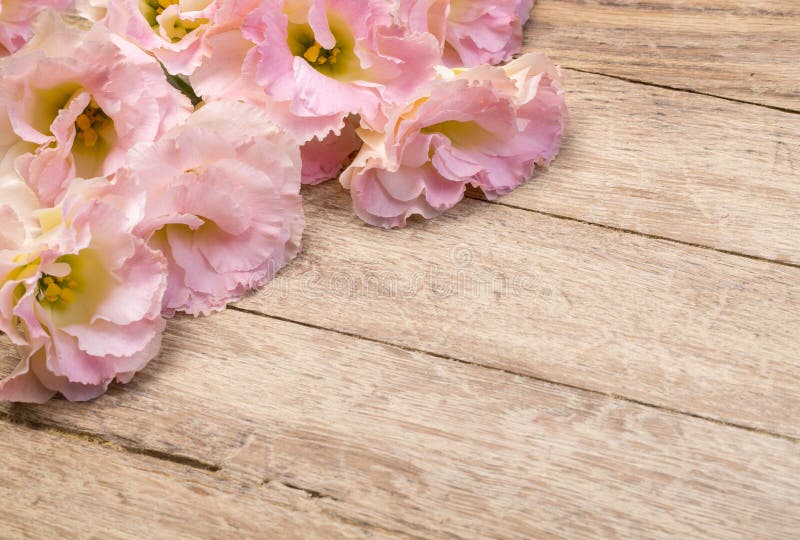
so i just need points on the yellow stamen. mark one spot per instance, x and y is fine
(161, 5)
(89, 123)
(67, 295)
(58, 291)
(83, 122)
(312, 53)
(90, 137)
(188, 25)
(52, 292)
(316, 54)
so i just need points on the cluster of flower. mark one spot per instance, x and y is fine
(125, 199)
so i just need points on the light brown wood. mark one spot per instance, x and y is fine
(667, 324)
(676, 165)
(436, 448)
(740, 49)
(54, 486)
(501, 372)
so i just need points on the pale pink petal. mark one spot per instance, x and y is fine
(64, 73)
(504, 122)
(222, 204)
(23, 385)
(17, 20)
(324, 160)
(104, 319)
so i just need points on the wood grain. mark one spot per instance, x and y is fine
(667, 324)
(410, 399)
(676, 165)
(739, 49)
(61, 487)
(427, 446)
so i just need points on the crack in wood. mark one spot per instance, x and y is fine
(127, 447)
(478, 197)
(617, 397)
(314, 494)
(404, 534)
(101, 440)
(685, 90)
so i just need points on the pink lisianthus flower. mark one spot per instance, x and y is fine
(504, 121)
(17, 18)
(470, 33)
(222, 202)
(312, 63)
(175, 30)
(81, 301)
(73, 103)
(324, 160)
(18, 205)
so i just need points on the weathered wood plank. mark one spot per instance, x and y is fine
(676, 326)
(740, 49)
(676, 165)
(54, 486)
(433, 447)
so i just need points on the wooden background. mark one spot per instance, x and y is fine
(612, 351)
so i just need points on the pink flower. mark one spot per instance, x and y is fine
(18, 205)
(17, 18)
(175, 30)
(222, 203)
(470, 33)
(504, 122)
(73, 103)
(312, 63)
(82, 301)
(324, 160)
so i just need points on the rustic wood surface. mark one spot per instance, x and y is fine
(681, 327)
(432, 447)
(58, 485)
(613, 351)
(742, 50)
(676, 165)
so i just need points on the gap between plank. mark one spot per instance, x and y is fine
(638, 233)
(100, 440)
(477, 197)
(362, 523)
(686, 90)
(313, 494)
(550, 382)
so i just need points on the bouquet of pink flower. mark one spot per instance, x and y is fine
(151, 158)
